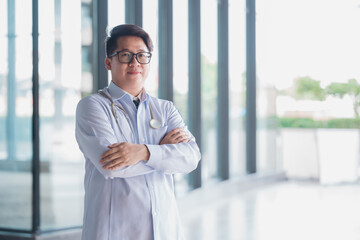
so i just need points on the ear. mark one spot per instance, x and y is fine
(108, 63)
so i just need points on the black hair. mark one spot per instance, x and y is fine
(126, 30)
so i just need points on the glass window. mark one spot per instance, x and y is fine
(116, 13)
(15, 114)
(209, 88)
(3, 77)
(116, 16)
(150, 25)
(86, 47)
(61, 85)
(266, 80)
(181, 71)
(237, 86)
(181, 55)
(301, 52)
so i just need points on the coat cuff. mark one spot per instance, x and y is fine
(155, 155)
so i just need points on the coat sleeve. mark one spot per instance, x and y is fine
(94, 134)
(174, 158)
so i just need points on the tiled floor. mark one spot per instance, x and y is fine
(278, 211)
(252, 210)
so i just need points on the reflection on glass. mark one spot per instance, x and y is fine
(150, 25)
(15, 114)
(181, 72)
(209, 88)
(63, 76)
(237, 86)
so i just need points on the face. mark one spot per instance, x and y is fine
(129, 76)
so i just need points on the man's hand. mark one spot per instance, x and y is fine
(176, 135)
(124, 154)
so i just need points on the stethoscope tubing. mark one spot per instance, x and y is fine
(154, 123)
(113, 105)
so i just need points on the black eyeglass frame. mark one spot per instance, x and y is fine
(132, 56)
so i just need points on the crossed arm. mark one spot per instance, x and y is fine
(176, 152)
(127, 154)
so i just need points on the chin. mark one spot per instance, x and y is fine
(137, 79)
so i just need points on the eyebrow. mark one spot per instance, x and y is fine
(139, 50)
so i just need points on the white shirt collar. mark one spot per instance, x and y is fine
(117, 93)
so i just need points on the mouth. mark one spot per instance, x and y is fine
(133, 72)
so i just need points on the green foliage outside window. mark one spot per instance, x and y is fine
(311, 123)
(351, 88)
(309, 88)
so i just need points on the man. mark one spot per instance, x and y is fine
(132, 143)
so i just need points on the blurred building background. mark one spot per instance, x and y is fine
(270, 89)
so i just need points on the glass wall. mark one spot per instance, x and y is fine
(308, 69)
(209, 89)
(15, 114)
(60, 81)
(181, 55)
(266, 136)
(87, 47)
(237, 86)
(150, 25)
(181, 71)
(116, 16)
(116, 13)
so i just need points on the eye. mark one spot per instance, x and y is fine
(125, 54)
(144, 55)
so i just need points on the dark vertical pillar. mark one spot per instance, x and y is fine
(133, 12)
(250, 87)
(11, 82)
(223, 91)
(165, 50)
(194, 99)
(100, 22)
(35, 121)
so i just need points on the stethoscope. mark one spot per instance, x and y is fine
(154, 123)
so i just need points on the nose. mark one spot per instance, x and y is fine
(134, 61)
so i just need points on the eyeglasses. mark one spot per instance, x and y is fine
(127, 57)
